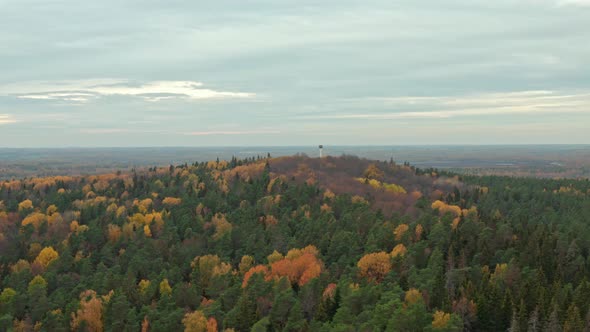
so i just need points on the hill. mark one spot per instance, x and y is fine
(293, 244)
(542, 161)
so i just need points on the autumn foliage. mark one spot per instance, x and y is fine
(291, 244)
(222, 226)
(25, 205)
(440, 319)
(375, 266)
(46, 256)
(299, 266)
(90, 312)
(262, 269)
(399, 250)
(196, 321)
(171, 201)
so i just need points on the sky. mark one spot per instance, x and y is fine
(279, 72)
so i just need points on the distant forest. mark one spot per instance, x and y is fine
(294, 244)
(541, 161)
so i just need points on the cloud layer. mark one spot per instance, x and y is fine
(293, 72)
(530, 103)
(6, 119)
(86, 90)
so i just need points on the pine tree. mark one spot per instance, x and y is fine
(581, 295)
(553, 324)
(296, 320)
(533, 324)
(573, 322)
(514, 324)
(587, 324)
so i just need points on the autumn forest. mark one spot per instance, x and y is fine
(294, 244)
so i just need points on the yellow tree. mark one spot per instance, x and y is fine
(412, 296)
(143, 286)
(246, 263)
(399, 250)
(400, 231)
(27, 204)
(147, 231)
(90, 312)
(274, 257)
(373, 172)
(165, 289)
(222, 226)
(375, 266)
(440, 320)
(46, 256)
(171, 201)
(35, 219)
(37, 282)
(419, 231)
(209, 266)
(114, 233)
(195, 322)
(7, 295)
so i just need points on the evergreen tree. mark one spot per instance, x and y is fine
(573, 322)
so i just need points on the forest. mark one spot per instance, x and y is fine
(294, 244)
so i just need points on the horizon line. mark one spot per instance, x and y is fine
(288, 146)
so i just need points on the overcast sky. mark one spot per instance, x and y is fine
(278, 72)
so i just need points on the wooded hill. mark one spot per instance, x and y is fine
(294, 244)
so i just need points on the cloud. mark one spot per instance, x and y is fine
(438, 107)
(344, 61)
(73, 97)
(100, 131)
(6, 119)
(579, 3)
(81, 91)
(238, 132)
(103, 131)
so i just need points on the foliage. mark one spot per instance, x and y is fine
(281, 244)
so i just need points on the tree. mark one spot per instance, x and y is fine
(553, 324)
(37, 283)
(534, 325)
(587, 324)
(195, 322)
(573, 322)
(262, 325)
(299, 266)
(400, 230)
(171, 201)
(90, 313)
(46, 256)
(205, 268)
(373, 172)
(165, 289)
(410, 317)
(6, 301)
(117, 314)
(514, 324)
(399, 250)
(245, 264)
(443, 321)
(222, 226)
(254, 270)
(375, 266)
(281, 308)
(25, 205)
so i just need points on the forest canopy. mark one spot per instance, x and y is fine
(294, 244)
